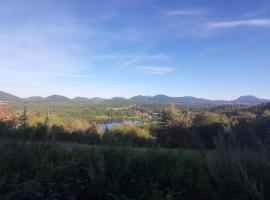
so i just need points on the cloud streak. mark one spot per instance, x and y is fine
(239, 23)
(156, 70)
(132, 56)
(180, 12)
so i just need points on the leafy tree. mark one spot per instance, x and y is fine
(208, 118)
(133, 136)
(174, 130)
(266, 113)
(172, 116)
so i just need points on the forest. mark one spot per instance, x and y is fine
(58, 151)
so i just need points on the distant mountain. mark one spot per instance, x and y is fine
(249, 100)
(8, 97)
(118, 99)
(192, 100)
(97, 100)
(168, 100)
(34, 99)
(220, 102)
(195, 101)
(94, 100)
(80, 99)
(141, 99)
(160, 99)
(56, 98)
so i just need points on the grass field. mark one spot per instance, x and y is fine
(38, 170)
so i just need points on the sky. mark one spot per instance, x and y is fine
(216, 49)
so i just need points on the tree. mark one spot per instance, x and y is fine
(266, 113)
(209, 118)
(24, 118)
(174, 131)
(172, 116)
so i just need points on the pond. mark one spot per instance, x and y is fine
(111, 125)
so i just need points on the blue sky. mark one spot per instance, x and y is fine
(217, 49)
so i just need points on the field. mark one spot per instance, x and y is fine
(38, 170)
(217, 152)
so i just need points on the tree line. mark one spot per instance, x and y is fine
(174, 128)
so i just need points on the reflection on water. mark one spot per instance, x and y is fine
(111, 125)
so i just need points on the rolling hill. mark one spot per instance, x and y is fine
(158, 99)
(57, 98)
(8, 97)
(249, 100)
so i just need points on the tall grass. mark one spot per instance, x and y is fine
(38, 170)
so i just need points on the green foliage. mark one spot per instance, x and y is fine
(68, 111)
(132, 136)
(172, 136)
(266, 113)
(240, 174)
(164, 126)
(208, 118)
(65, 171)
(171, 115)
(38, 166)
(37, 121)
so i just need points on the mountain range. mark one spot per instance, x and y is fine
(161, 99)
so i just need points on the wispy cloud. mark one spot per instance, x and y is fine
(79, 76)
(238, 23)
(184, 12)
(156, 70)
(132, 56)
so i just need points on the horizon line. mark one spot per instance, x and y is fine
(127, 98)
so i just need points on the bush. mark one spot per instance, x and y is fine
(132, 136)
(65, 171)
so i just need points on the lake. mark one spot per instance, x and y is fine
(111, 125)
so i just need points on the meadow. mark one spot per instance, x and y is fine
(219, 152)
(40, 170)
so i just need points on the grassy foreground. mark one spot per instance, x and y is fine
(38, 170)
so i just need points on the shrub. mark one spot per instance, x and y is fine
(133, 136)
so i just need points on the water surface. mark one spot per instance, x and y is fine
(111, 125)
